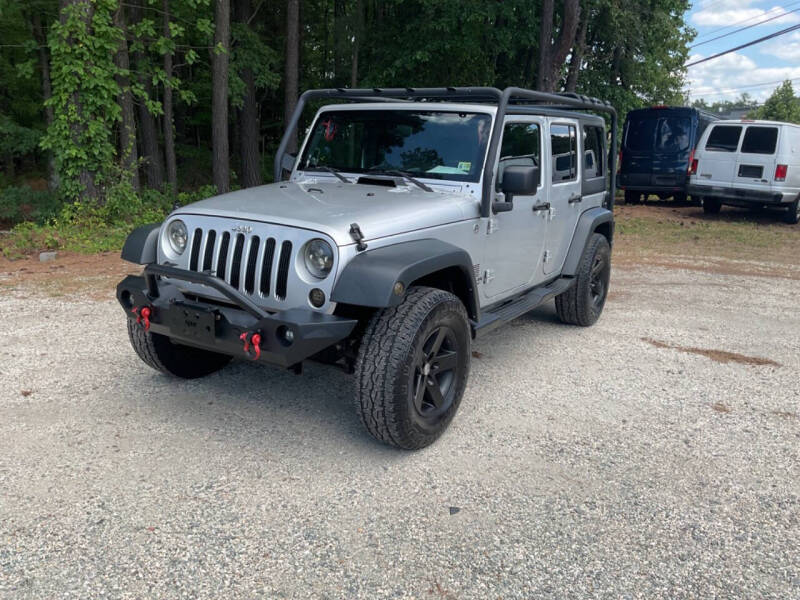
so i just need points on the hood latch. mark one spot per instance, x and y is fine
(358, 237)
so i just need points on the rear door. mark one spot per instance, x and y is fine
(637, 151)
(718, 163)
(565, 192)
(755, 163)
(673, 134)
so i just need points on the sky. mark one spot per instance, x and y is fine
(757, 70)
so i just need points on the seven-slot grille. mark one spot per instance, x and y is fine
(251, 263)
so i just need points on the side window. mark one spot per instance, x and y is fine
(593, 151)
(724, 138)
(760, 140)
(521, 147)
(564, 146)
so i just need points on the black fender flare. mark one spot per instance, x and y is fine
(369, 279)
(588, 223)
(142, 244)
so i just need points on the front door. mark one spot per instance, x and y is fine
(565, 193)
(515, 240)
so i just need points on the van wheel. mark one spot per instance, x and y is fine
(792, 215)
(583, 303)
(632, 197)
(711, 206)
(680, 198)
(412, 368)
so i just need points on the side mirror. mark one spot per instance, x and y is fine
(520, 180)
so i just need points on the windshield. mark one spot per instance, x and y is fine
(437, 145)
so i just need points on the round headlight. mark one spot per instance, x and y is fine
(318, 256)
(177, 236)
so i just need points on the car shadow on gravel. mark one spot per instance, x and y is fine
(269, 406)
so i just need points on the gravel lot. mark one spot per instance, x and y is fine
(650, 456)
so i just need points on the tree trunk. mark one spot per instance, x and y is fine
(167, 125)
(292, 78)
(75, 105)
(47, 91)
(578, 50)
(220, 55)
(148, 129)
(552, 54)
(359, 28)
(127, 128)
(249, 128)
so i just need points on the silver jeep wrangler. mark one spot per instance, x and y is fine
(411, 221)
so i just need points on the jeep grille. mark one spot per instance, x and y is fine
(243, 260)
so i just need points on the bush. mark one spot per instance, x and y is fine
(86, 227)
(22, 203)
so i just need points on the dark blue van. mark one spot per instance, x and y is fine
(656, 151)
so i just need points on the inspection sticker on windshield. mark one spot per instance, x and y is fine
(465, 166)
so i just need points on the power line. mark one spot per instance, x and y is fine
(724, 35)
(741, 87)
(753, 43)
(742, 21)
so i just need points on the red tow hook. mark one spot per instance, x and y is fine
(255, 340)
(142, 314)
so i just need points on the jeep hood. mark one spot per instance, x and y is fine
(330, 208)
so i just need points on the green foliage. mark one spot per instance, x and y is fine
(23, 203)
(17, 140)
(782, 105)
(83, 46)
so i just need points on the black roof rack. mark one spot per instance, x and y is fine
(503, 99)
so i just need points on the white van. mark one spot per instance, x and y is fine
(748, 163)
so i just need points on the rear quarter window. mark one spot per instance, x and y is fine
(760, 140)
(724, 138)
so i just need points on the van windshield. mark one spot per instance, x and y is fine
(433, 144)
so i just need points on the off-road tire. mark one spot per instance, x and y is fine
(158, 352)
(632, 197)
(388, 369)
(792, 216)
(583, 303)
(711, 206)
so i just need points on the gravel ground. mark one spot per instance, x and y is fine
(628, 460)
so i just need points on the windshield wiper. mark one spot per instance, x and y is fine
(330, 170)
(403, 174)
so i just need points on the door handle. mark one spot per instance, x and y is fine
(575, 198)
(543, 206)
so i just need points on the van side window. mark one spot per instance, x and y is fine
(564, 147)
(521, 147)
(724, 138)
(760, 140)
(593, 151)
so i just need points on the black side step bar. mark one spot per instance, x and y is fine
(492, 319)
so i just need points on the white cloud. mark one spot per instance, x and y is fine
(726, 14)
(786, 48)
(727, 77)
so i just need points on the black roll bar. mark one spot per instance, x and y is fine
(503, 99)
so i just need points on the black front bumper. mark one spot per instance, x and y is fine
(287, 337)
